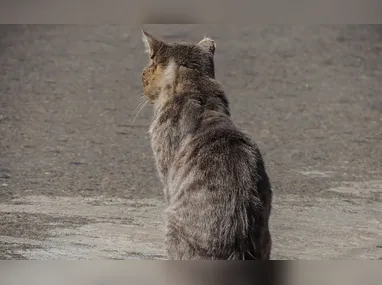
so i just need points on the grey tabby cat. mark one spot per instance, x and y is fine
(215, 183)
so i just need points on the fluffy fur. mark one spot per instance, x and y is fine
(215, 183)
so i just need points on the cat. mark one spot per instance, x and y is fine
(217, 191)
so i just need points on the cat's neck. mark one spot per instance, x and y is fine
(186, 83)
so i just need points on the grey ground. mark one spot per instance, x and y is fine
(77, 178)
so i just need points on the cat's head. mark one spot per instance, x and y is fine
(168, 61)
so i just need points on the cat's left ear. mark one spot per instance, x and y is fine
(152, 44)
(208, 44)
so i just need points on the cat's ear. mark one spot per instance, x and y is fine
(208, 44)
(152, 44)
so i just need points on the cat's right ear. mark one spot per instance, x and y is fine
(152, 44)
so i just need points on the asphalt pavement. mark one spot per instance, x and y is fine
(77, 176)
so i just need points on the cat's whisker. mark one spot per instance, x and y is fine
(142, 95)
(141, 101)
(143, 105)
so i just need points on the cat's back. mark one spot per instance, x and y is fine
(218, 189)
(219, 152)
